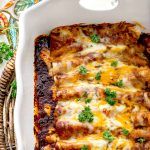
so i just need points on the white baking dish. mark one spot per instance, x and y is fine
(40, 19)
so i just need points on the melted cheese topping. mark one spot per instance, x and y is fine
(106, 117)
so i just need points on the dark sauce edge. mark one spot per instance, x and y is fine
(42, 93)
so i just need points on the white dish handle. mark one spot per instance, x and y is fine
(99, 5)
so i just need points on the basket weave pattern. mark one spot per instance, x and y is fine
(7, 138)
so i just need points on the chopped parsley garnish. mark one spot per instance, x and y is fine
(88, 100)
(110, 101)
(110, 93)
(114, 64)
(14, 89)
(82, 70)
(119, 83)
(125, 131)
(78, 99)
(141, 140)
(84, 147)
(95, 38)
(98, 76)
(5, 52)
(109, 96)
(85, 98)
(107, 135)
(86, 115)
(85, 94)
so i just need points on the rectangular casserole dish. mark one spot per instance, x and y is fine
(32, 24)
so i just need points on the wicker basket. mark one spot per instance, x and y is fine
(7, 138)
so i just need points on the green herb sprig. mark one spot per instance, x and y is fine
(85, 98)
(110, 93)
(125, 131)
(110, 101)
(86, 115)
(107, 135)
(114, 64)
(119, 83)
(5, 52)
(109, 96)
(98, 76)
(88, 100)
(84, 147)
(95, 38)
(82, 70)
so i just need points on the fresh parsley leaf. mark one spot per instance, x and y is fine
(14, 89)
(8, 55)
(141, 140)
(114, 64)
(85, 94)
(84, 147)
(84, 97)
(110, 93)
(119, 83)
(4, 47)
(98, 76)
(110, 101)
(5, 52)
(125, 131)
(78, 99)
(95, 38)
(88, 100)
(107, 135)
(82, 70)
(109, 96)
(86, 115)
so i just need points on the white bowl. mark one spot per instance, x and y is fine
(40, 19)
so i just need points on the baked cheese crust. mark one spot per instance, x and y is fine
(95, 83)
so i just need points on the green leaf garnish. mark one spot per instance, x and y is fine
(141, 140)
(110, 101)
(84, 147)
(114, 64)
(109, 96)
(5, 52)
(98, 76)
(85, 98)
(110, 93)
(82, 70)
(125, 131)
(86, 115)
(107, 135)
(88, 100)
(95, 38)
(119, 83)
(85, 94)
(78, 99)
